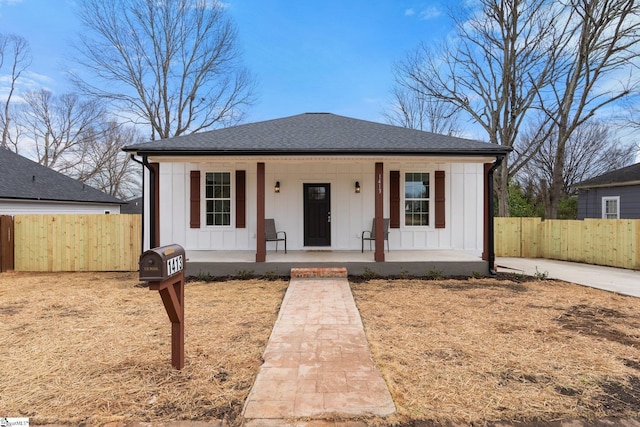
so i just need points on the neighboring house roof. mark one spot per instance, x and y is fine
(21, 178)
(133, 206)
(629, 175)
(316, 133)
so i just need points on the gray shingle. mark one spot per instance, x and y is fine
(317, 133)
(21, 178)
(628, 174)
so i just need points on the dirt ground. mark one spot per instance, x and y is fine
(93, 348)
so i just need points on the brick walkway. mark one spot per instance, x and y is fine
(317, 360)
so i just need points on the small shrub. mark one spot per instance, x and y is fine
(204, 277)
(540, 275)
(271, 275)
(435, 274)
(519, 277)
(368, 274)
(244, 274)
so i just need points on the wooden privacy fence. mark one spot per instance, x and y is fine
(615, 243)
(95, 242)
(89, 242)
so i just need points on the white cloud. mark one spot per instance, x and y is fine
(430, 13)
(425, 14)
(28, 81)
(214, 4)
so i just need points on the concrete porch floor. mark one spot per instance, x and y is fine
(408, 262)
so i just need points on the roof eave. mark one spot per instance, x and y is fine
(40, 199)
(173, 152)
(609, 184)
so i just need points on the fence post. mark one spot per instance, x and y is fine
(6, 243)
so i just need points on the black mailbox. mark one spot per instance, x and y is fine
(161, 263)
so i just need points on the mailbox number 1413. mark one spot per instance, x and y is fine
(174, 265)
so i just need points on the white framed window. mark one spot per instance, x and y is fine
(218, 198)
(611, 207)
(416, 199)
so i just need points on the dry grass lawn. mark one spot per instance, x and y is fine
(95, 348)
(482, 350)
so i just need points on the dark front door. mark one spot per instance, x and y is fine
(317, 214)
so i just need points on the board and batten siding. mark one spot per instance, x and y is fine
(351, 212)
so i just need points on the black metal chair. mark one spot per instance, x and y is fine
(372, 233)
(271, 235)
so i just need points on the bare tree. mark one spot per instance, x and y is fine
(103, 164)
(594, 58)
(15, 56)
(57, 125)
(590, 151)
(413, 110)
(172, 64)
(492, 71)
(75, 136)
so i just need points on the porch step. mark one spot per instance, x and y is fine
(309, 273)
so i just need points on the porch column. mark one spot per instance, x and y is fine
(261, 251)
(379, 213)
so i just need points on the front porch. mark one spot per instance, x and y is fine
(400, 262)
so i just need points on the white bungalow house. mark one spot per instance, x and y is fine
(322, 178)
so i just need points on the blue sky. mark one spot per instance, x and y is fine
(307, 56)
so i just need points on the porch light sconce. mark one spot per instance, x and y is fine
(357, 186)
(277, 187)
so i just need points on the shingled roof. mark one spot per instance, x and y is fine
(629, 175)
(21, 178)
(317, 133)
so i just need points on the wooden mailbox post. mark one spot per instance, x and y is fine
(163, 268)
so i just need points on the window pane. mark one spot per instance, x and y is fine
(416, 193)
(317, 193)
(218, 195)
(416, 185)
(610, 208)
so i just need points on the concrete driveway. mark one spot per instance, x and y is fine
(619, 280)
